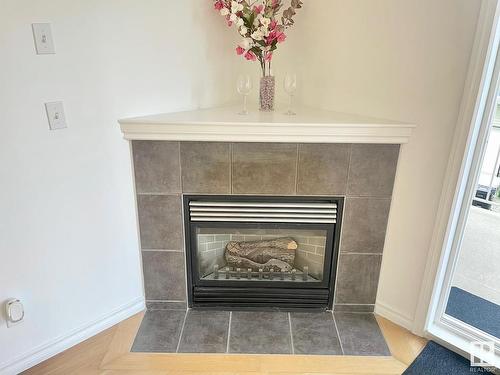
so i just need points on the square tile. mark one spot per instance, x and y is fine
(205, 332)
(164, 275)
(166, 305)
(264, 168)
(157, 167)
(360, 334)
(357, 278)
(314, 333)
(160, 221)
(353, 308)
(159, 331)
(323, 168)
(206, 167)
(258, 332)
(372, 170)
(365, 225)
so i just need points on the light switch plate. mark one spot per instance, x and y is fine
(43, 38)
(55, 114)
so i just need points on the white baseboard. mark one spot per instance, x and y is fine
(64, 342)
(393, 315)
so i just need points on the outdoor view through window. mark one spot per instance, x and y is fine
(475, 293)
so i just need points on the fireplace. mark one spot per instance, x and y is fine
(261, 252)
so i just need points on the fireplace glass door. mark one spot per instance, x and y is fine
(245, 251)
(260, 254)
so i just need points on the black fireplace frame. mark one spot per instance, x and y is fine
(273, 295)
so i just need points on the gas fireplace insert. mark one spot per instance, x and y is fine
(261, 251)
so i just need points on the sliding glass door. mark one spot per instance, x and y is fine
(474, 295)
(464, 311)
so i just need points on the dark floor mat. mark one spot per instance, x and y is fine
(474, 310)
(437, 360)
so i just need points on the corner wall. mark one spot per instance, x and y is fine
(69, 245)
(403, 60)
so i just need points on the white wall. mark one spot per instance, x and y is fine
(68, 237)
(404, 60)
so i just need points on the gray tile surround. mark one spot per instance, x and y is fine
(160, 221)
(248, 332)
(363, 173)
(364, 225)
(372, 170)
(157, 167)
(357, 278)
(166, 305)
(333, 162)
(164, 276)
(353, 307)
(268, 168)
(206, 167)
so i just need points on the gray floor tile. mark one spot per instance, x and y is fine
(159, 331)
(260, 332)
(314, 333)
(360, 334)
(205, 332)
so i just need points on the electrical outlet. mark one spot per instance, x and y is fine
(55, 114)
(15, 312)
(43, 38)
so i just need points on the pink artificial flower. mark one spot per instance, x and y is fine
(273, 25)
(250, 56)
(269, 56)
(281, 37)
(229, 22)
(240, 51)
(271, 37)
(275, 3)
(258, 9)
(219, 5)
(275, 35)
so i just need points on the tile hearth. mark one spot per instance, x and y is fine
(262, 332)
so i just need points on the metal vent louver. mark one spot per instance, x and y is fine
(263, 212)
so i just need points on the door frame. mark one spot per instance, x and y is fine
(473, 125)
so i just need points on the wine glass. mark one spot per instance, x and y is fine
(244, 86)
(290, 86)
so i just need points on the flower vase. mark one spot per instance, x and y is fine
(267, 89)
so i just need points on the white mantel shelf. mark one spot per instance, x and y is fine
(226, 125)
